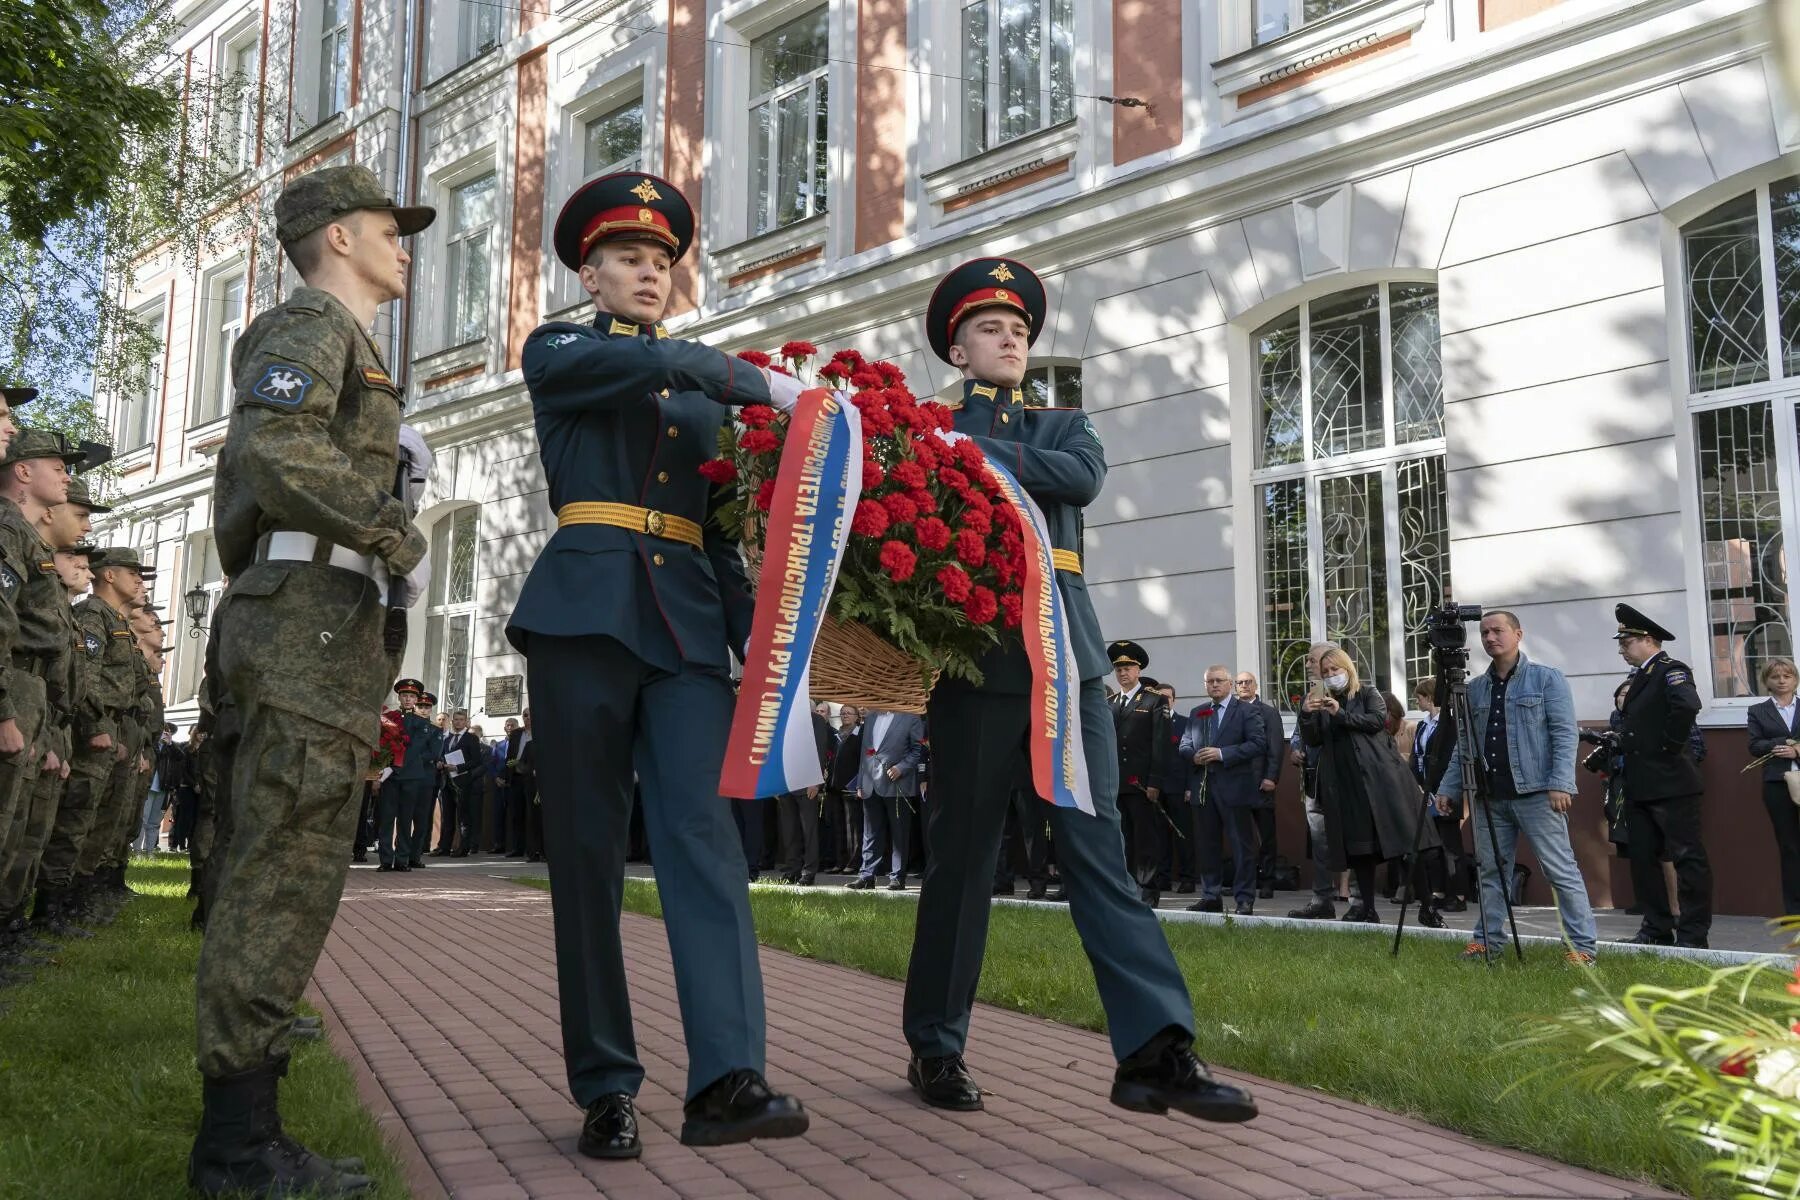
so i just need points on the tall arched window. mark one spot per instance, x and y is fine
(1349, 483)
(450, 617)
(1743, 386)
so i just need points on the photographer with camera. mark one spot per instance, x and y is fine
(1662, 785)
(1523, 719)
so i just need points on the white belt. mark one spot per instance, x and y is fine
(287, 545)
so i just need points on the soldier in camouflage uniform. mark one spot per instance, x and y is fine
(318, 548)
(113, 686)
(34, 479)
(58, 910)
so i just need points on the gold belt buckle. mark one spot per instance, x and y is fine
(653, 523)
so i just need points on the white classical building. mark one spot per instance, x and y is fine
(1371, 301)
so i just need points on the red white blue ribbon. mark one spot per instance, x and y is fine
(772, 750)
(1058, 761)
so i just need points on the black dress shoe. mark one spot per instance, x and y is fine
(1036, 891)
(611, 1129)
(1318, 910)
(1356, 912)
(417, 864)
(860, 884)
(1246, 910)
(402, 866)
(807, 880)
(459, 854)
(738, 1107)
(440, 852)
(1430, 918)
(1185, 889)
(385, 867)
(1150, 896)
(1265, 892)
(898, 884)
(944, 1082)
(1057, 895)
(1645, 938)
(1453, 904)
(1207, 904)
(1165, 1074)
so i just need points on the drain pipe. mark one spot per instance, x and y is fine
(403, 185)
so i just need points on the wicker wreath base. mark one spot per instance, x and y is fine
(852, 664)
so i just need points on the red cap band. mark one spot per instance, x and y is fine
(981, 298)
(630, 218)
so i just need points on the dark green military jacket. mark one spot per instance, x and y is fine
(109, 678)
(1057, 458)
(42, 607)
(15, 570)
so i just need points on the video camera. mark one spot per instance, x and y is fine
(1606, 748)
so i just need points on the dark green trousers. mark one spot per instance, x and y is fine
(978, 743)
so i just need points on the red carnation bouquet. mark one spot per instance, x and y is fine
(935, 562)
(390, 749)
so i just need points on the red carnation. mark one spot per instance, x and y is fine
(1011, 544)
(977, 520)
(799, 350)
(891, 376)
(1007, 518)
(871, 520)
(932, 533)
(900, 510)
(765, 495)
(873, 475)
(862, 378)
(877, 421)
(759, 441)
(755, 358)
(833, 372)
(757, 416)
(955, 583)
(926, 456)
(970, 548)
(952, 478)
(718, 470)
(909, 474)
(981, 606)
(1012, 610)
(898, 561)
(969, 454)
(923, 499)
(852, 359)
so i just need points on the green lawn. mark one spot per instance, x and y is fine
(1427, 1036)
(98, 1094)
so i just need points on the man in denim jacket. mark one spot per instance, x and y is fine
(1527, 742)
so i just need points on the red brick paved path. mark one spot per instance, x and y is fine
(441, 990)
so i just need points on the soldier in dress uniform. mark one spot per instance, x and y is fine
(1141, 720)
(320, 550)
(1662, 785)
(407, 791)
(626, 623)
(983, 319)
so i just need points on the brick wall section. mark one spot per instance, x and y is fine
(880, 122)
(1495, 13)
(1147, 65)
(685, 139)
(523, 287)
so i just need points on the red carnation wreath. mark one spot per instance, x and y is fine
(935, 563)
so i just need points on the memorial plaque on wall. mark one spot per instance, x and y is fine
(503, 696)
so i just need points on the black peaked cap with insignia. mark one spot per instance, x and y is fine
(317, 198)
(1119, 653)
(404, 686)
(15, 396)
(628, 206)
(1633, 623)
(984, 283)
(93, 454)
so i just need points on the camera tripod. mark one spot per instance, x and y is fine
(1453, 690)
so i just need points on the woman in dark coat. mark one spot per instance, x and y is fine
(1365, 791)
(1772, 729)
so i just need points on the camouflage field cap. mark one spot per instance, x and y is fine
(80, 493)
(42, 443)
(121, 556)
(317, 198)
(155, 615)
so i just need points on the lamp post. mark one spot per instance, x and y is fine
(196, 602)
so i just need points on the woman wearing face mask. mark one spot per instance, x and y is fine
(1365, 791)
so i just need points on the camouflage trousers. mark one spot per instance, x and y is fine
(76, 816)
(134, 789)
(113, 816)
(300, 656)
(19, 874)
(20, 772)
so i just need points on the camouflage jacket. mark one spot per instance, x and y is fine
(109, 676)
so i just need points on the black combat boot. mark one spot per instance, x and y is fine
(241, 1147)
(33, 948)
(52, 916)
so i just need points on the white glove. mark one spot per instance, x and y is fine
(405, 591)
(784, 390)
(383, 777)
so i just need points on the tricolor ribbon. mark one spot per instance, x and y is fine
(772, 750)
(1058, 762)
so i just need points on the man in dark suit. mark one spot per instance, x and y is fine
(462, 797)
(1245, 692)
(982, 320)
(1662, 785)
(893, 746)
(800, 816)
(1177, 868)
(1227, 742)
(1141, 721)
(627, 622)
(840, 789)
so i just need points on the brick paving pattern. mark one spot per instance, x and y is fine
(440, 989)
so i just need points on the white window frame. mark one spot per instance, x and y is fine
(1244, 63)
(141, 403)
(217, 324)
(456, 243)
(1056, 378)
(1383, 460)
(808, 83)
(441, 613)
(991, 138)
(235, 124)
(593, 117)
(326, 100)
(471, 15)
(434, 349)
(1781, 391)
